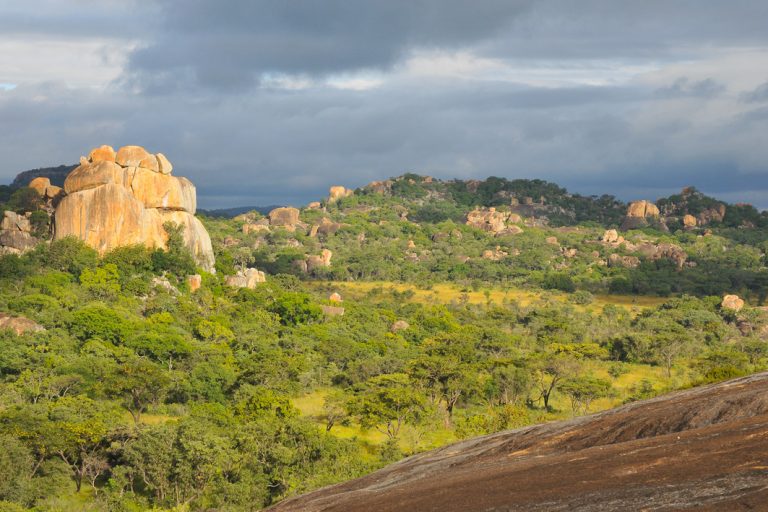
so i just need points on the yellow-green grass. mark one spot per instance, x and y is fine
(445, 293)
(411, 439)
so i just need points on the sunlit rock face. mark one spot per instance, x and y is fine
(119, 198)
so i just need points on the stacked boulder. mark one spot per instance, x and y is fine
(121, 198)
(337, 192)
(247, 278)
(488, 219)
(641, 214)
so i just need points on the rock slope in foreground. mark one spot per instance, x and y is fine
(700, 449)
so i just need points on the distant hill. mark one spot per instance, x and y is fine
(55, 174)
(228, 213)
(702, 449)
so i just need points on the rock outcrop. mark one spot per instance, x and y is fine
(247, 278)
(16, 233)
(324, 227)
(732, 302)
(689, 221)
(323, 261)
(286, 217)
(123, 198)
(493, 221)
(641, 214)
(19, 324)
(194, 282)
(338, 192)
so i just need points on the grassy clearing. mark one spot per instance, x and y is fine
(420, 438)
(446, 293)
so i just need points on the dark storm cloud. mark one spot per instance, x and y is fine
(231, 43)
(562, 100)
(617, 29)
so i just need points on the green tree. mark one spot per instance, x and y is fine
(386, 403)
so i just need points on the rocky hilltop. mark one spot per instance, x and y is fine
(701, 449)
(117, 198)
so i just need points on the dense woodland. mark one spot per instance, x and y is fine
(141, 394)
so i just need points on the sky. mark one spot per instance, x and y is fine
(263, 102)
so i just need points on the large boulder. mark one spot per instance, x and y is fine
(125, 200)
(286, 217)
(164, 191)
(642, 214)
(338, 192)
(40, 184)
(247, 278)
(732, 302)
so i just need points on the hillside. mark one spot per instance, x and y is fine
(159, 359)
(701, 449)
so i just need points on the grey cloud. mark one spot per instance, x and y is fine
(758, 95)
(683, 87)
(230, 44)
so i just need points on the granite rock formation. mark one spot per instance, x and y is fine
(123, 198)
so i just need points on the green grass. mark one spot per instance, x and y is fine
(445, 293)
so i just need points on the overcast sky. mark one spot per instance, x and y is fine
(272, 101)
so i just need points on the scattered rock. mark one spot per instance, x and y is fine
(732, 302)
(617, 260)
(247, 278)
(324, 227)
(165, 284)
(314, 205)
(399, 325)
(552, 240)
(494, 255)
(255, 228)
(611, 236)
(19, 324)
(335, 297)
(322, 261)
(338, 192)
(286, 217)
(194, 282)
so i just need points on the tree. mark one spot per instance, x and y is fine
(583, 390)
(448, 369)
(78, 433)
(386, 403)
(334, 408)
(137, 382)
(549, 371)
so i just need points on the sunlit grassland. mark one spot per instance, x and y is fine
(446, 293)
(414, 439)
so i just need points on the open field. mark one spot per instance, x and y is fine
(445, 293)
